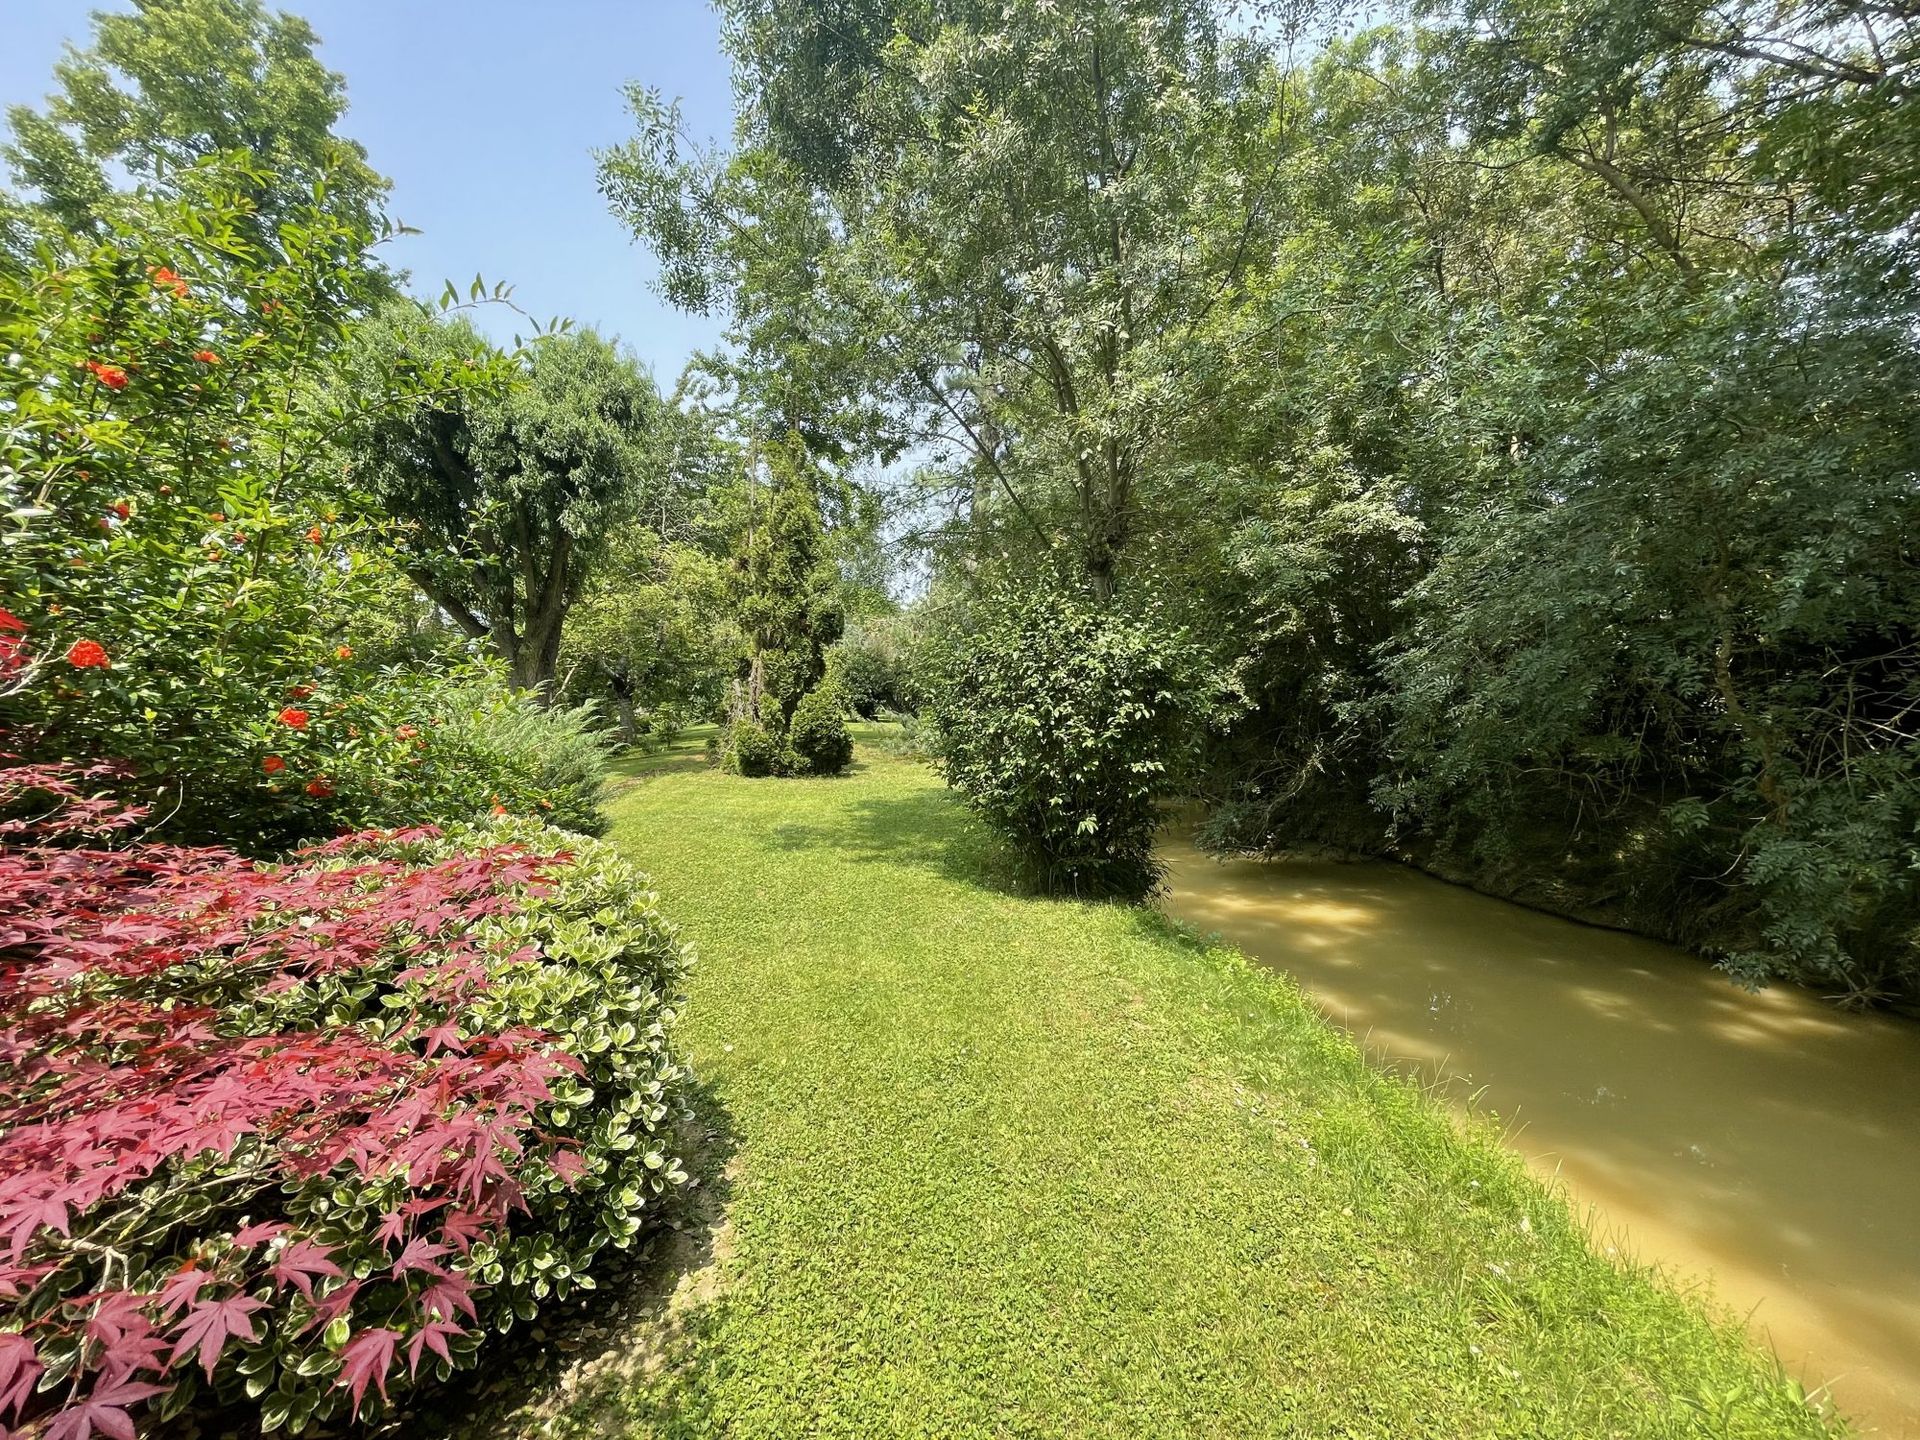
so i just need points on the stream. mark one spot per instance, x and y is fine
(1765, 1142)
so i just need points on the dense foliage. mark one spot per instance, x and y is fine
(509, 494)
(873, 664)
(817, 734)
(173, 83)
(650, 638)
(488, 749)
(176, 583)
(1061, 722)
(1515, 395)
(283, 1135)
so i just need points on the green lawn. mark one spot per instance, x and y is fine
(1008, 1166)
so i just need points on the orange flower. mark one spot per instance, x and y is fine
(294, 719)
(315, 535)
(206, 357)
(300, 692)
(87, 655)
(111, 376)
(343, 652)
(498, 808)
(405, 732)
(218, 518)
(122, 509)
(319, 788)
(165, 279)
(273, 764)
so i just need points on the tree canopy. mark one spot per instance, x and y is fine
(175, 82)
(1514, 392)
(509, 497)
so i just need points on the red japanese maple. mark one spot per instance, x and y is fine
(13, 649)
(188, 1033)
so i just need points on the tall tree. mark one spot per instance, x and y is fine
(785, 594)
(509, 499)
(177, 81)
(985, 209)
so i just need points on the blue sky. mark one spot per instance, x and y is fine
(484, 113)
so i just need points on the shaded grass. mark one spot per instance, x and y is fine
(1010, 1166)
(686, 752)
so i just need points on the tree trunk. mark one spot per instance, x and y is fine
(622, 688)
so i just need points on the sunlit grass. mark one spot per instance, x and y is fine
(1010, 1166)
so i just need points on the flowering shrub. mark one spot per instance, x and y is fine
(176, 564)
(297, 1135)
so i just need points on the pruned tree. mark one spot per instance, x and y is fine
(784, 590)
(508, 496)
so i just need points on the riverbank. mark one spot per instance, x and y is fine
(1760, 1139)
(999, 1165)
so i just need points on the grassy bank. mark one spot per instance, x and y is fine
(1006, 1166)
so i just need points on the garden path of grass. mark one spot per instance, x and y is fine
(1007, 1166)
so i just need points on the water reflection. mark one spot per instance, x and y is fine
(1765, 1140)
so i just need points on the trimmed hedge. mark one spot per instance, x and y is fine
(817, 736)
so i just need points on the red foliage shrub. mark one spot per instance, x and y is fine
(262, 1130)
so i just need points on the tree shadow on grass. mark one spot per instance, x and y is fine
(527, 1376)
(926, 830)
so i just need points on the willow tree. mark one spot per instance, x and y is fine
(508, 498)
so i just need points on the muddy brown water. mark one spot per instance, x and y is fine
(1765, 1142)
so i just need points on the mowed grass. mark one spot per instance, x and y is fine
(1007, 1166)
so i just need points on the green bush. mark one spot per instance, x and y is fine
(817, 736)
(864, 676)
(874, 664)
(402, 747)
(175, 595)
(1059, 722)
(550, 763)
(748, 749)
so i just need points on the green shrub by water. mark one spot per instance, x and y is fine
(1058, 721)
